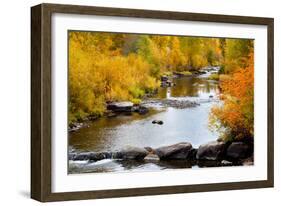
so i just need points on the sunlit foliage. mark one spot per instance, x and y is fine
(105, 67)
(98, 73)
(236, 116)
(237, 54)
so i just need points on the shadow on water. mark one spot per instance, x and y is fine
(189, 87)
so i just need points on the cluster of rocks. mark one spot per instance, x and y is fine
(226, 153)
(113, 109)
(175, 103)
(129, 153)
(213, 153)
(179, 104)
(166, 82)
(72, 127)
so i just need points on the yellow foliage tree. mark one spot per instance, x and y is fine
(99, 73)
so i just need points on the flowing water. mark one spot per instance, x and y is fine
(180, 125)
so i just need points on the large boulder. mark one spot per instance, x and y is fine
(131, 153)
(120, 106)
(211, 151)
(238, 150)
(181, 150)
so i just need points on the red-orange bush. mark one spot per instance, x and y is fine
(236, 115)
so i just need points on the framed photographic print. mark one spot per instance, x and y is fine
(132, 102)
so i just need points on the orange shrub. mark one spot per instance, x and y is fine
(236, 116)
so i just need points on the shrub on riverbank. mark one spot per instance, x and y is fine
(236, 116)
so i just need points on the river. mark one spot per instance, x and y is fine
(180, 125)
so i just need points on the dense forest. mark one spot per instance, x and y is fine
(106, 67)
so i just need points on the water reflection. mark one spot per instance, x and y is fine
(189, 87)
(109, 165)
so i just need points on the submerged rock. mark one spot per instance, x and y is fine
(176, 151)
(211, 151)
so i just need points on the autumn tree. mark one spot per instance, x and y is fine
(236, 116)
(236, 54)
(98, 72)
(176, 59)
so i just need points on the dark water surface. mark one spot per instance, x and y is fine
(180, 125)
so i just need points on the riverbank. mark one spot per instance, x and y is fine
(115, 109)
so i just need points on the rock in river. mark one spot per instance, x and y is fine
(92, 156)
(126, 107)
(157, 122)
(140, 109)
(120, 106)
(238, 150)
(211, 151)
(131, 153)
(176, 151)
